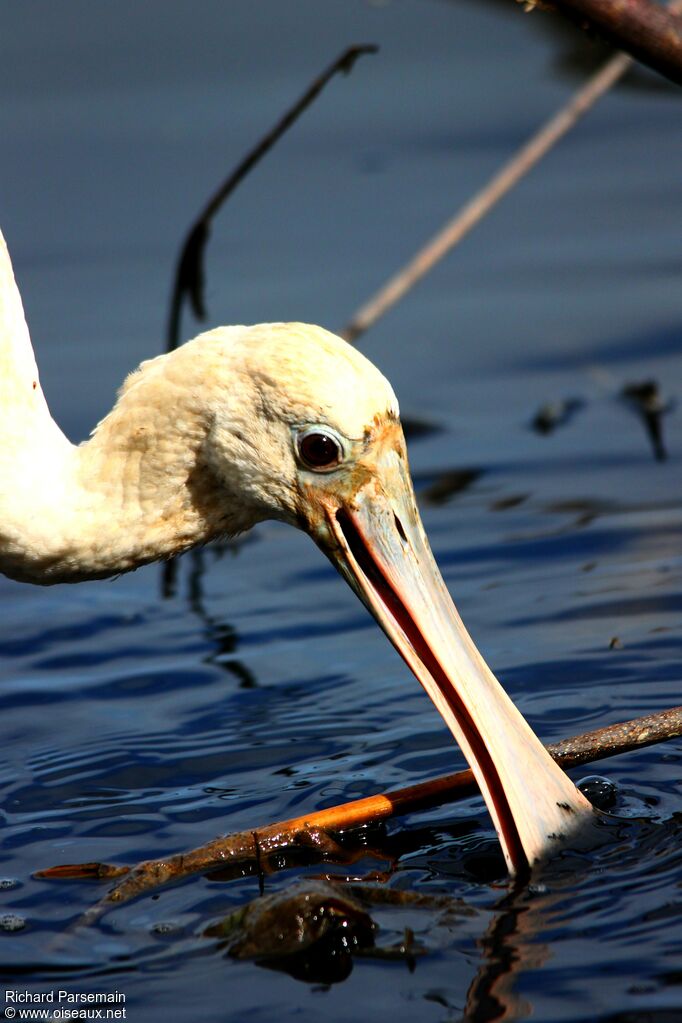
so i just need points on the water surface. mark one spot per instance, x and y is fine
(133, 726)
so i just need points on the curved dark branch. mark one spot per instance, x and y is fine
(189, 273)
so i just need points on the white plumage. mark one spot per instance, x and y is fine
(242, 424)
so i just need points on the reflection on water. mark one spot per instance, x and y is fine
(132, 726)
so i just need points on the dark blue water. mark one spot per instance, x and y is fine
(132, 726)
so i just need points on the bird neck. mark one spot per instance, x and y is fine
(23, 409)
(143, 480)
(137, 491)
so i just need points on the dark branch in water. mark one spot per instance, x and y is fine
(189, 273)
(647, 31)
(644, 397)
(188, 284)
(246, 851)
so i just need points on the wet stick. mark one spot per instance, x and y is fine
(509, 175)
(243, 850)
(647, 31)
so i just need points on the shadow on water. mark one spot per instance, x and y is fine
(221, 635)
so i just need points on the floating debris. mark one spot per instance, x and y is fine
(415, 429)
(552, 415)
(165, 927)
(448, 484)
(505, 503)
(12, 922)
(308, 930)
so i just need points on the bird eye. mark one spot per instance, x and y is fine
(318, 450)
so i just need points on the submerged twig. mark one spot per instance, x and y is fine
(238, 851)
(189, 274)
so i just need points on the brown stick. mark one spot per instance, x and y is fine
(238, 850)
(483, 201)
(189, 274)
(645, 30)
(502, 182)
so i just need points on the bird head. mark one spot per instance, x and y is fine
(309, 432)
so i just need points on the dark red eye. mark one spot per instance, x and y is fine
(319, 450)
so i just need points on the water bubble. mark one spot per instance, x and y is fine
(165, 927)
(601, 792)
